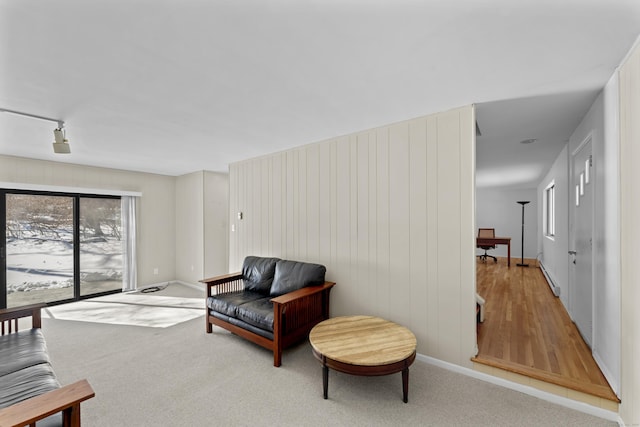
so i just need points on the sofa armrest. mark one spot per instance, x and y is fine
(9, 317)
(295, 313)
(66, 399)
(301, 293)
(294, 309)
(225, 283)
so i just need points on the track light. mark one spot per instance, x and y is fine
(61, 144)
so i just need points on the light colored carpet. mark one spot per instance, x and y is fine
(181, 376)
(155, 310)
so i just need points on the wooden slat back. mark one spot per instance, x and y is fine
(9, 317)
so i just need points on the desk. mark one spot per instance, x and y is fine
(363, 345)
(493, 241)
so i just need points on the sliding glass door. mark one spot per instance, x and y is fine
(39, 249)
(100, 245)
(58, 247)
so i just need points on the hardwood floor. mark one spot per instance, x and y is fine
(528, 331)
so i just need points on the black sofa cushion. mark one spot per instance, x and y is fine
(258, 331)
(294, 275)
(229, 302)
(26, 383)
(258, 313)
(22, 349)
(258, 272)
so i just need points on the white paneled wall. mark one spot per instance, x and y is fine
(216, 217)
(630, 237)
(189, 227)
(389, 211)
(201, 226)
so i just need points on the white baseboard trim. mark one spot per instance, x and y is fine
(606, 372)
(531, 391)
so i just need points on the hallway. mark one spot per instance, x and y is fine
(528, 331)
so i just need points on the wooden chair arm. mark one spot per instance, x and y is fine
(66, 399)
(226, 283)
(212, 281)
(301, 293)
(10, 316)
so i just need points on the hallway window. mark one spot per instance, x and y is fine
(549, 210)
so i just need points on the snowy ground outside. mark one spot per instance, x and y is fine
(42, 266)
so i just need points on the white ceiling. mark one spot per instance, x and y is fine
(176, 86)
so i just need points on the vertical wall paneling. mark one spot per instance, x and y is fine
(399, 217)
(418, 225)
(276, 206)
(324, 204)
(284, 204)
(449, 228)
(343, 218)
(630, 237)
(303, 232)
(466, 225)
(382, 232)
(333, 189)
(389, 211)
(362, 218)
(265, 206)
(289, 225)
(433, 254)
(313, 203)
(354, 268)
(372, 265)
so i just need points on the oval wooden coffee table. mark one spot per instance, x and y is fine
(363, 345)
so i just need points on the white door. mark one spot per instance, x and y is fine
(580, 259)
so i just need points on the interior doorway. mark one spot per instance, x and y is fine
(505, 163)
(581, 238)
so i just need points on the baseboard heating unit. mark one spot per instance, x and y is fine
(555, 289)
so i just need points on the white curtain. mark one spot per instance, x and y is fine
(129, 273)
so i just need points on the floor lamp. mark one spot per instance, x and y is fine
(521, 263)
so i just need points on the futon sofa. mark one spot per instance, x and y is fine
(271, 302)
(29, 390)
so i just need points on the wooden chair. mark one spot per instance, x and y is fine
(487, 233)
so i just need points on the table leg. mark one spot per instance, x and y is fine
(509, 254)
(405, 385)
(325, 380)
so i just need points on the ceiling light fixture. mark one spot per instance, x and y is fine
(61, 144)
(528, 141)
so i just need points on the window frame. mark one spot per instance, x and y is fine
(549, 211)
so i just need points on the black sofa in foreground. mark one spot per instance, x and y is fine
(29, 389)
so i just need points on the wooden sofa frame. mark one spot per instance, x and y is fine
(66, 399)
(294, 313)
